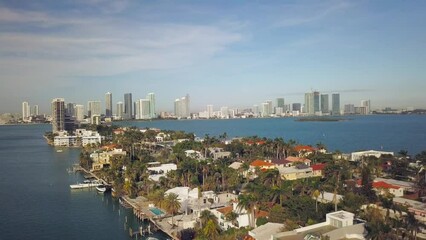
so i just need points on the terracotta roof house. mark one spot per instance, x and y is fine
(299, 159)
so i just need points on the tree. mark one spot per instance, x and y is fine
(352, 202)
(276, 214)
(206, 216)
(211, 230)
(247, 202)
(187, 234)
(316, 194)
(232, 217)
(172, 204)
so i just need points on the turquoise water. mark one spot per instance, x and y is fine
(156, 211)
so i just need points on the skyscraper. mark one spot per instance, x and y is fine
(69, 109)
(152, 110)
(108, 104)
(224, 112)
(25, 111)
(93, 108)
(335, 104)
(296, 107)
(265, 109)
(120, 110)
(35, 111)
(367, 105)
(209, 111)
(280, 103)
(58, 115)
(128, 106)
(325, 104)
(182, 107)
(143, 109)
(79, 112)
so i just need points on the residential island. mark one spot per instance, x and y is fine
(254, 188)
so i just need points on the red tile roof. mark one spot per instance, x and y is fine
(382, 184)
(318, 167)
(300, 148)
(261, 213)
(248, 237)
(297, 159)
(260, 163)
(225, 210)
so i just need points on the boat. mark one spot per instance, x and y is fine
(101, 188)
(86, 184)
(59, 150)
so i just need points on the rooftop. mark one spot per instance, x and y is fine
(260, 163)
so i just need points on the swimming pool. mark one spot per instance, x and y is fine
(156, 211)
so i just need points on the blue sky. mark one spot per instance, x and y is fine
(225, 53)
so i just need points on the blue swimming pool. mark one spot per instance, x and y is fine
(156, 211)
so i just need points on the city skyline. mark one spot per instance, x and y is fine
(244, 53)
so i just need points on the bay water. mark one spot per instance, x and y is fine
(37, 203)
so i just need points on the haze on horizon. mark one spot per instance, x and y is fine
(220, 52)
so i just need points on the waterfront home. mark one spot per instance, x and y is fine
(217, 153)
(157, 170)
(357, 156)
(304, 151)
(242, 220)
(295, 172)
(338, 225)
(281, 162)
(406, 186)
(194, 154)
(88, 137)
(383, 188)
(64, 139)
(318, 169)
(299, 160)
(102, 159)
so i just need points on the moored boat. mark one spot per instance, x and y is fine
(101, 188)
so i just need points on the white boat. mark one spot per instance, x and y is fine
(59, 150)
(84, 185)
(101, 188)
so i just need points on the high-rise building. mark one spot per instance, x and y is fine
(270, 107)
(120, 110)
(224, 112)
(296, 107)
(256, 110)
(108, 104)
(280, 102)
(93, 108)
(58, 115)
(128, 106)
(35, 111)
(79, 112)
(367, 105)
(325, 104)
(182, 107)
(142, 110)
(335, 104)
(265, 109)
(25, 111)
(69, 109)
(349, 109)
(152, 110)
(209, 111)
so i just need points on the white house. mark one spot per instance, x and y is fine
(357, 156)
(194, 154)
(156, 172)
(100, 159)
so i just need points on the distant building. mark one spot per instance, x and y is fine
(357, 156)
(182, 107)
(93, 108)
(265, 110)
(128, 106)
(367, 105)
(349, 109)
(224, 112)
(143, 109)
(296, 107)
(152, 110)
(120, 110)
(108, 104)
(35, 110)
(312, 103)
(209, 111)
(335, 104)
(361, 110)
(280, 103)
(70, 109)
(79, 112)
(325, 104)
(25, 111)
(58, 115)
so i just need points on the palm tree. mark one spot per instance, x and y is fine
(316, 194)
(211, 230)
(247, 202)
(232, 217)
(172, 204)
(206, 216)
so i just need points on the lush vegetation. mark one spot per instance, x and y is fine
(291, 202)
